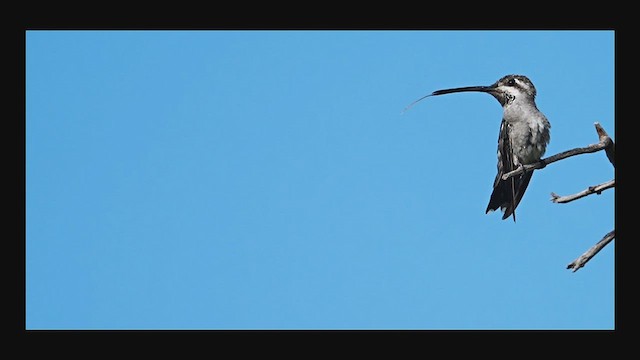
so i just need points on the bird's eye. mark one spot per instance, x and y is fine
(511, 82)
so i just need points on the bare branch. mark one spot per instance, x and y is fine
(584, 258)
(597, 189)
(551, 159)
(609, 145)
(605, 143)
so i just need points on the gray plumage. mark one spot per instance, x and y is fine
(523, 139)
(524, 135)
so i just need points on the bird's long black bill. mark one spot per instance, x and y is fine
(453, 90)
(462, 89)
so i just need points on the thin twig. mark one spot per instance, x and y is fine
(609, 145)
(605, 143)
(584, 258)
(551, 159)
(596, 189)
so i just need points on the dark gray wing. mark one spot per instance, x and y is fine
(507, 194)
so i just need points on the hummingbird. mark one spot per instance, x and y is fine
(523, 138)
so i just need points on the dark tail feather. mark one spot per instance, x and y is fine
(508, 193)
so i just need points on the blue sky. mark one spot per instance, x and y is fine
(268, 180)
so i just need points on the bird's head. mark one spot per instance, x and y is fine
(512, 87)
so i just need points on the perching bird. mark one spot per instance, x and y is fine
(523, 139)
